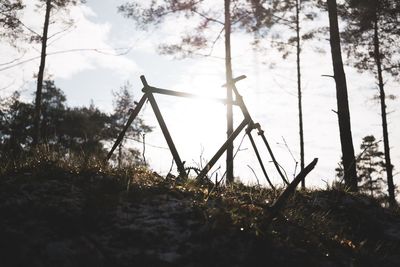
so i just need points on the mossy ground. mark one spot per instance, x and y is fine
(54, 214)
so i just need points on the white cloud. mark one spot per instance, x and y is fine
(71, 50)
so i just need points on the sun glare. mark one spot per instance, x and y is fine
(197, 125)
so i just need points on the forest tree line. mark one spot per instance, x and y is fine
(83, 133)
(369, 39)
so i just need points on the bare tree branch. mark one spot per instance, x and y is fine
(208, 18)
(127, 50)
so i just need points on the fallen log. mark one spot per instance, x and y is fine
(281, 201)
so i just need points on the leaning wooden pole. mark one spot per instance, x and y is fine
(282, 200)
(133, 115)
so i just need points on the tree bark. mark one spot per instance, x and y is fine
(346, 140)
(38, 99)
(229, 78)
(388, 164)
(298, 2)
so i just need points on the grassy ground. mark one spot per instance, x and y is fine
(56, 214)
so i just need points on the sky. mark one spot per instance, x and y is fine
(123, 53)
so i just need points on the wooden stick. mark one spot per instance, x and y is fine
(281, 201)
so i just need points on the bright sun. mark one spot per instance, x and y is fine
(204, 123)
(197, 126)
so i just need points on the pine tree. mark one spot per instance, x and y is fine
(15, 128)
(370, 166)
(10, 25)
(346, 139)
(53, 112)
(371, 37)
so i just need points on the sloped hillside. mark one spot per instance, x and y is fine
(57, 216)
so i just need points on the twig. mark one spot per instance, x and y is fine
(286, 145)
(69, 51)
(280, 166)
(151, 145)
(255, 175)
(23, 24)
(144, 149)
(59, 32)
(207, 18)
(294, 159)
(215, 41)
(172, 165)
(12, 61)
(211, 175)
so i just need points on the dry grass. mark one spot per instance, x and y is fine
(134, 216)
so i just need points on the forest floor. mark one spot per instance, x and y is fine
(58, 216)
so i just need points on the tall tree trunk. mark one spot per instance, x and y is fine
(38, 99)
(346, 140)
(388, 164)
(229, 78)
(303, 182)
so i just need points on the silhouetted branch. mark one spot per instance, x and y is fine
(255, 175)
(59, 32)
(21, 23)
(207, 18)
(216, 40)
(69, 51)
(281, 201)
(12, 61)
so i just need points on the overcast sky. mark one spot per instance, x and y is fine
(198, 128)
